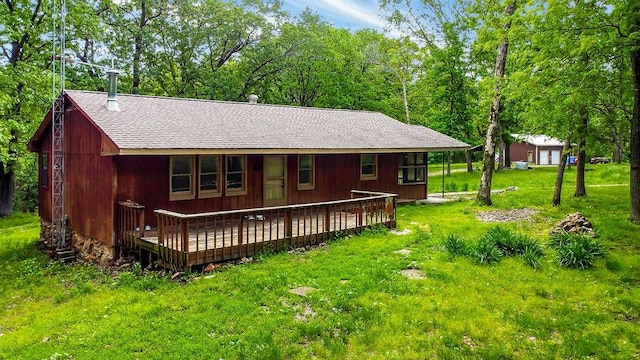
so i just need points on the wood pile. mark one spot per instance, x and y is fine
(575, 223)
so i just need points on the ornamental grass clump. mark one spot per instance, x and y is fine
(499, 242)
(579, 251)
(455, 245)
(486, 252)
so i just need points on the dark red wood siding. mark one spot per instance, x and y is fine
(145, 180)
(89, 179)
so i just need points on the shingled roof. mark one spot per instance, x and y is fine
(162, 125)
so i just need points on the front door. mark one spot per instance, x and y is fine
(275, 180)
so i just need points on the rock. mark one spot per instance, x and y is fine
(403, 252)
(575, 223)
(414, 274)
(209, 268)
(302, 290)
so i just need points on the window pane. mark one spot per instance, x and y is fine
(209, 182)
(368, 170)
(411, 159)
(420, 174)
(305, 161)
(235, 163)
(44, 169)
(181, 165)
(400, 176)
(209, 164)
(367, 159)
(304, 177)
(234, 181)
(180, 183)
(420, 159)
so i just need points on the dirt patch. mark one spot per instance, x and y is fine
(403, 252)
(506, 215)
(400, 233)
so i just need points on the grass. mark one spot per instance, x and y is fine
(362, 307)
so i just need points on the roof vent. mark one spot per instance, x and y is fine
(112, 101)
(253, 99)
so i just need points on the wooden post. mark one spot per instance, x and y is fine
(240, 228)
(141, 221)
(325, 218)
(288, 223)
(185, 240)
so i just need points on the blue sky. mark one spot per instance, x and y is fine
(352, 14)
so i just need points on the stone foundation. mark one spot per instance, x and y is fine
(86, 248)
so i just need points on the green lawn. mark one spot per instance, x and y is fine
(362, 306)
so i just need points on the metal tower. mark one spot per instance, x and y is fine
(57, 128)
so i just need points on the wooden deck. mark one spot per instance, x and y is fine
(185, 240)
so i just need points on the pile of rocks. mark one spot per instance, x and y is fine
(574, 223)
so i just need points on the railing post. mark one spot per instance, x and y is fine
(288, 223)
(240, 228)
(141, 221)
(326, 218)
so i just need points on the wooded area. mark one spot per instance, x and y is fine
(572, 69)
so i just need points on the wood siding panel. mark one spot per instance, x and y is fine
(44, 192)
(89, 180)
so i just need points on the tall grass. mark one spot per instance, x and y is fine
(361, 306)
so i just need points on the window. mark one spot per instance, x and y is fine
(412, 169)
(368, 166)
(235, 180)
(181, 178)
(306, 172)
(44, 169)
(209, 176)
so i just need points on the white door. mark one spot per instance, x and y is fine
(544, 157)
(555, 157)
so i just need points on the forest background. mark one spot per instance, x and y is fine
(572, 69)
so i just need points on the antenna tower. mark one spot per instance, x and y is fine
(58, 220)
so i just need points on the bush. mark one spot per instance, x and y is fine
(503, 239)
(579, 252)
(559, 240)
(455, 245)
(486, 252)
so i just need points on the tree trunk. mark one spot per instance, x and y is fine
(488, 164)
(7, 188)
(405, 100)
(634, 158)
(581, 190)
(557, 190)
(469, 160)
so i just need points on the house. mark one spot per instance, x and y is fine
(535, 149)
(144, 163)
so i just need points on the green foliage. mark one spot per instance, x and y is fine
(579, 251)
(455, 245)
(485, 252)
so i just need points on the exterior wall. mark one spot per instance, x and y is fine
(44, 192)
(145, 180)
(89, 180)
(519, 151)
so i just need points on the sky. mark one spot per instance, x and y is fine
(351, 14)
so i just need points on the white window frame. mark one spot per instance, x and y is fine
(204, 194)
(182, 195)
(373, 176)
(312, 169)
(234, 191)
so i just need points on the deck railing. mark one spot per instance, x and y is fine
(184, 240)
(130, 224)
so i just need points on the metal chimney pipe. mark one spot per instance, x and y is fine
(112, 90)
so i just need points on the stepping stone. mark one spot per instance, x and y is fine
(413, 274)
(401, 232)
(403, 252)
(302, 291)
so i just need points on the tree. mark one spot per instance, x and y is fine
(484, 192)
(23, 80)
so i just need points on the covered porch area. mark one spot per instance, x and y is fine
(181, 241)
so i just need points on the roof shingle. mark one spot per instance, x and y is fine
(161, 123)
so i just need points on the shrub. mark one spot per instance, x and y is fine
(532, 257)
(455, 245)
(580, 252)
(559, 240)
(486, 252)
(503, 239)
